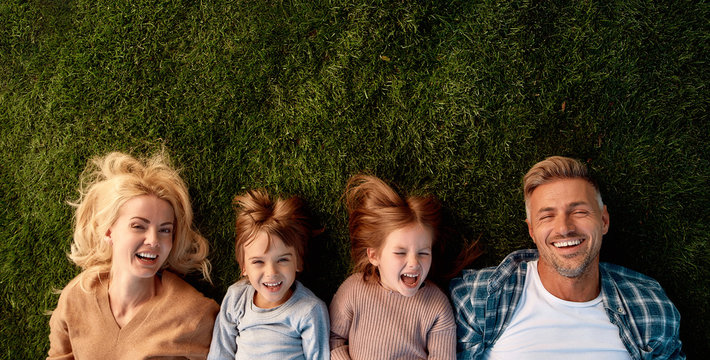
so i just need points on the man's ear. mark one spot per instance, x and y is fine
(373, 256)
(605, 221)
(530, 230)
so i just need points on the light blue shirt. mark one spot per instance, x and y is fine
(298, 329)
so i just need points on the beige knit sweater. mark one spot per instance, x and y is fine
(176, 323)
(369, 322)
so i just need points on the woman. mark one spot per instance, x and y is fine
(133, 239)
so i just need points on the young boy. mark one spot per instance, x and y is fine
(270, 315)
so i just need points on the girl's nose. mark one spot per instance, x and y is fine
(412, 260)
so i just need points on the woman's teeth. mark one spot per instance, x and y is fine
(147, 256)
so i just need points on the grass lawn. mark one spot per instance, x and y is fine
(455, 98)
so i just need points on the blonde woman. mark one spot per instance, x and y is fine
(133, 240)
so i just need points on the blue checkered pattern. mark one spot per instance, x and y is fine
(484, 301)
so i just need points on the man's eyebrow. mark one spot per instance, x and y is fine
(578, 203)
(546, 209)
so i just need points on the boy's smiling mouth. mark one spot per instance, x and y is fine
(272, 286)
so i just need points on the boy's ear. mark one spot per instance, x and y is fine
(373, 256)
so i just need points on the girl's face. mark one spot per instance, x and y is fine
(404, 259)
(141, 237)
(271, 269)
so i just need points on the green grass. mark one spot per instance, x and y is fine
(456, 98)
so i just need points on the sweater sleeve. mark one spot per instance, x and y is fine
(341, 317)
(201, 337)
(224, 334)
(441, 339)
(59, 342)
(315, 333)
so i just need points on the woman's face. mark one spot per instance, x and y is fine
(141, 237)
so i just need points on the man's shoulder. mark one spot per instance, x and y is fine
(642, 295)
(625, 278)
(492, 278)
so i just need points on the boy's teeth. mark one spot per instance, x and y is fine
(567, 243)
(148, 256)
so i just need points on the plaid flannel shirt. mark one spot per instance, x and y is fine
(484, 301)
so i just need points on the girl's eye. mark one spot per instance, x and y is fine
(424, 254)
(257, 262)
(399, 253)
(283, 260)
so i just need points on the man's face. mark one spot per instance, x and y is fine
(567, 225)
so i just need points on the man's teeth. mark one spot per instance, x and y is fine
(273, 284)
(147, 255)
(567, 243)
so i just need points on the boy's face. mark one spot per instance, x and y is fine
(271, 268)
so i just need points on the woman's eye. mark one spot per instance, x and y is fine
(167, 231)
(136, 226)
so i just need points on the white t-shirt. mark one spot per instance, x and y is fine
(546, 327)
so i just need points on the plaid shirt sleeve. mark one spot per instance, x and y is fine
(648, 321)
(469, 296)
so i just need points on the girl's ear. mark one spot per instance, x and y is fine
(373, 256)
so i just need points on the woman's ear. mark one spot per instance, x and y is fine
(107, 237)
(373, 256)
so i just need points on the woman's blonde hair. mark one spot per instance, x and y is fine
(287, 219)
(105, 185)
(376, 210)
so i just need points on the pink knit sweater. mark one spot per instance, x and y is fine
(370, 322)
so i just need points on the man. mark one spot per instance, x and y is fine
(559, 302)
